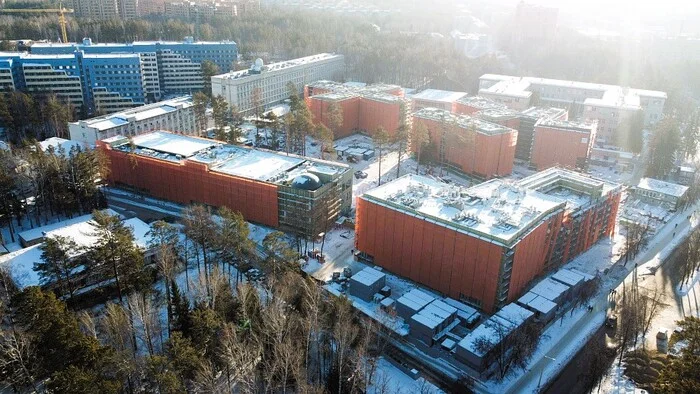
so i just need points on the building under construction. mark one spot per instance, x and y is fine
(296, 194)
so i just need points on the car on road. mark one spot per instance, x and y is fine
(360, 174)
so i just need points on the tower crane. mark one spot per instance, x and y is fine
(61, 11)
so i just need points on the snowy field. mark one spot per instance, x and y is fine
(388, 379)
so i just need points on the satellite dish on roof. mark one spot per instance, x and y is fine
(258, 63)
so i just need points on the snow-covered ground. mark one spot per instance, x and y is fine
(388, 379)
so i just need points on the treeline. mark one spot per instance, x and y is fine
(220, 334)
(37, 185)
(28, 117)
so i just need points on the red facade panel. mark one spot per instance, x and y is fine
(350, 108)
(475, 153)
(376, 113)
(552, 147)
(191, 182)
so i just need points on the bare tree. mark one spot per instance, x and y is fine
(17, 360)
(241, 355)
(145, 310)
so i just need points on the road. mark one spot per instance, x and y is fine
(560, 350)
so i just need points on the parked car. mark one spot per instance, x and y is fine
(360, 174)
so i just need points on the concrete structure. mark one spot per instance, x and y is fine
(296, 194)
(176, 115)
(562, 143)
(655, 191)
(516, 93)
(550, 290)
(166, 67)
(412, 302)
(526, 127)
(612, 158)
(467, 144)
(433, 98)
(100, 82)
(591, 209)
(268, 83)
(430, 323)
(366, 283)
(479, 245)
(543, 308)
(364, 108)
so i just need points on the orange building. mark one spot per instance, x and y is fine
(503, 116)
(592, 206)
(289, 192)
(481, 245)
(364, 108)
(562, 143)
(470, 145)
(349, 104)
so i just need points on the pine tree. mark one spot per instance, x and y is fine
(115, 250)
(181, 311)
(200, 103)
(209, 69)
(220, 113)
(380, 139)
(59, 263)
(419, 139)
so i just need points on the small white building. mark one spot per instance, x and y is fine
(659, 192)
(176, 115)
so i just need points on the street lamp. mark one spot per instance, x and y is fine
(539, 382)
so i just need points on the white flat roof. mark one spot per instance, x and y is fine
(368, 276)
(537, 302)
(488, 330)
(140, 113)
(499, 210)
(249, 163)
(567, 277)
(549, 289)
(415, 299)
(444, 96)
(663, 187)
(515, 313)
(174, 144)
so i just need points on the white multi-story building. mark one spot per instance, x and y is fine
(270, 82)
(176, 115)
(582, 98)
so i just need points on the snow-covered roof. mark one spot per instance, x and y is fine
(368, 276)
(37, 233)
(228, 159)
(285, 65)
(495, 210)
(173, 144)
(544, 112)
(479, 102)
(415, 299)
(57, 144)
(492, 330)
(663, 187)
(20, 263)
(575, 188)
(442, 96)
(137, 114)
(607, 94)
(515, 314)
(465, 312)
(464, 122)
(586, 126)
(537, 302)
(567, 277)
(550, 289)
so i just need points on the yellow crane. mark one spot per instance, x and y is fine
(60, 11)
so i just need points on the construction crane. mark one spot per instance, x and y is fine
(60, 11)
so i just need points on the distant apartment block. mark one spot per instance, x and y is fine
(483, 245)
(296, 194)
(467, 144)
(364, 108)
(176, 115)
(167, 68)
(106, 9)
(202, 10)
(581, 98)
(268, 83)
(96, 82)
(563, 143)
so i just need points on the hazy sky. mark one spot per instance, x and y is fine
(643, 8)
